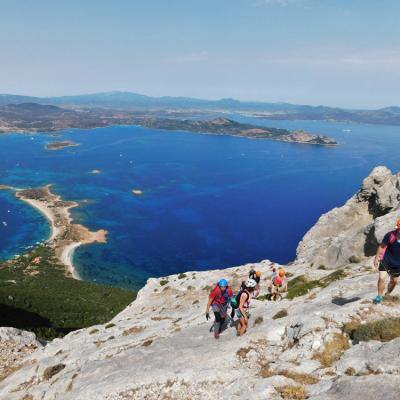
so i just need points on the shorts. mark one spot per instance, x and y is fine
(239, 314)
(392, 271)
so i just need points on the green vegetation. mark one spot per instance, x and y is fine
(300, 285)
(109, 325)
(181, 276)
(280, 314)
(40, 298)
(383, 330)
(163, 282)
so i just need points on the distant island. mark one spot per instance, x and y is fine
(33, 117)
(225, 126)
(61, 145)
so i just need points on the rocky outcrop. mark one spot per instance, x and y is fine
(160, 346)
(15, 346)
(352, 232)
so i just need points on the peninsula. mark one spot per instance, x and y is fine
(66, 236)
(31, 117)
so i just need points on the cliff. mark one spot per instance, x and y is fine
(324, 341)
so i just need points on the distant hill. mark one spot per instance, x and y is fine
(135, 101)
(33, 117)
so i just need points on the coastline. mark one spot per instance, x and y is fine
(67, 256)
(47, 214)
(65, 236)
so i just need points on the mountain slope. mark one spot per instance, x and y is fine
(133, 101)
(160, 346)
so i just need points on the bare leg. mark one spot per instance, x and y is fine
(392, 284)
(381, 282)
(242, 327)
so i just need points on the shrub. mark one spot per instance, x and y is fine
(110, 325)
(300, 285)
(53, 370)
(383, 330)
(258, 320)
(290, 392)
(163, 282)
(147, 343)
(182, 276)
(280, 314)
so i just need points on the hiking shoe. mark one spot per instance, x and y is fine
(378, 300)
(216, 335)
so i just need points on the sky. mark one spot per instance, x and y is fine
(343, 53)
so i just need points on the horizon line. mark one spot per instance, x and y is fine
(195, 98)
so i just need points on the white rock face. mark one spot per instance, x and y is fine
(160, 346)
(350, 233)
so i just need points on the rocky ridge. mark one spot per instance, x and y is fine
(160, 346)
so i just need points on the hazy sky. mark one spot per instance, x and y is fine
(333, 52)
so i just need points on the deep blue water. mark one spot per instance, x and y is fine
(209, 201)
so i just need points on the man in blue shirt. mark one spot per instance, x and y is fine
(387, 260)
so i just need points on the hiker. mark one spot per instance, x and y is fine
(387, 261)
(243, 299)
(256, 275)
(277, 284)
(219, 301)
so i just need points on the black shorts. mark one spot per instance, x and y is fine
(392, 271)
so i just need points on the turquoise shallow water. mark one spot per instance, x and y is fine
(209, 201)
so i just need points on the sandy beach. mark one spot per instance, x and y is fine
(55, 231)
(65, 236)
(66, 258)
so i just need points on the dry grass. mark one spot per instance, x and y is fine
(242, 352)
(290, 392)
(391, 300)
(280, 314)
(71, 384)
(333, 350)
(7, 371)
(133, 330)
(304, 379)
(350, 371)
(53, 370)
(301, 378)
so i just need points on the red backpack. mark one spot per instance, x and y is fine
(227, 295)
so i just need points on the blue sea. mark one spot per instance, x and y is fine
(208, 201)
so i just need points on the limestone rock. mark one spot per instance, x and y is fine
(351, 233)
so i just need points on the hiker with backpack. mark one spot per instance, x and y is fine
(219, 301)
(277, 284)
(256, 275)
(387, 261)
(242, 300)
